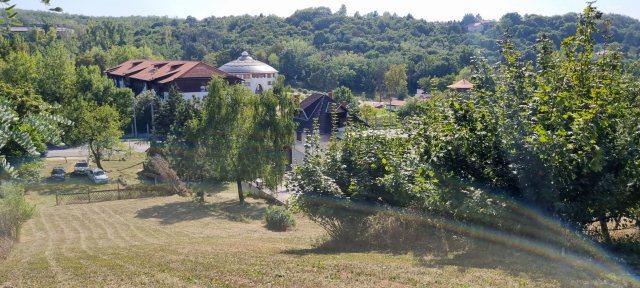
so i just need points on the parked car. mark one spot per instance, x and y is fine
(81, 167)
(98, 176)
(58, 173)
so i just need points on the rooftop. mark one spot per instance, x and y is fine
(164, 71)
(463, 84)
(246, 64)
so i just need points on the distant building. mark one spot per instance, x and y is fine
(190, 77)
(394, 103)
(479, 26)
(320, 108)
(39, 27)
(374, 104)
(462, 86)
(256, 75)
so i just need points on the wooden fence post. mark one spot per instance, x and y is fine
(88, 195)
(57, 198)
(118, 191)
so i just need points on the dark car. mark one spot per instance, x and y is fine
(58, 173)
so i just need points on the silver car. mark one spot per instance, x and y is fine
(98, 176)
(81, 167)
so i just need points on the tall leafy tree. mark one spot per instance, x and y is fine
(225, 130)
(57, 76)
(173, 114)
(244, 137)
(99, 128)
(395, 80)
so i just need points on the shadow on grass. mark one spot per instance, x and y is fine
(468, 253)
(176, 212)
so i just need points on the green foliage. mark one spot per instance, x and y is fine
(26, 124)
(395, 80)
(99, 128)
(93, 86)
(20, 68)
(243, 137)
(172, 119)
(279, 218)
(14, 210)
(56, 74)
(30, 171)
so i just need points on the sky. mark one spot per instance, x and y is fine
(442, 10)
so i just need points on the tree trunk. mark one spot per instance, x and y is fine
(96, 155)
(240, 192)
(604, 229)
(97, 158)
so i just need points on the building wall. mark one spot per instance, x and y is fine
(252, 81)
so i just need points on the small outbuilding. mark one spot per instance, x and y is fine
(462, 86)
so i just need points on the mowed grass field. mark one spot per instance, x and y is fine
(173, 242)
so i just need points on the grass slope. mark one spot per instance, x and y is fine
(172, 242)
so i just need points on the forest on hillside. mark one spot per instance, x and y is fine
(320, 49)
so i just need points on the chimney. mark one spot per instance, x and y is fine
(330, 93)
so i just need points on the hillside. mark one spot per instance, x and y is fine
(173, 242)
(317, 48)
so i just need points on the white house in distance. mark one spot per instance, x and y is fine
(257, 75)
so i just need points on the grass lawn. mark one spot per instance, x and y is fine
(172, 242)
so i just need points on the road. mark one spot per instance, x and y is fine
(83, 151)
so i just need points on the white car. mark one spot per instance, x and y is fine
(81, 167)
(98, 176)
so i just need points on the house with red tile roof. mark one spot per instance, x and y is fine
(190, 77)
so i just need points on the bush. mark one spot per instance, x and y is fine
(14, 210)
(279, 218)
(30, 172)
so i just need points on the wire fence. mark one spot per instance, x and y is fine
(83, 197)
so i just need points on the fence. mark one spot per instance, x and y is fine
(109, 195)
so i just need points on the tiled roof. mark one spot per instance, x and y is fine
(462, 84)
(304, 104)
(397, 102)
(164, 71)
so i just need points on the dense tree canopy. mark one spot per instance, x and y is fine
(318, 49)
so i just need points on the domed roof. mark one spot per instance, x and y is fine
(246, 64)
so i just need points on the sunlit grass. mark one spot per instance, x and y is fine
(174, 242)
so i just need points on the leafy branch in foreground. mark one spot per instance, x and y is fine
(23, 128)
(11, 13)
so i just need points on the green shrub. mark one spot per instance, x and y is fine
(14, 210)
(30, 172)
(279, 218)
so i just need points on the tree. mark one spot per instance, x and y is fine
(395, 81)
(244, 137)
(93, 86)
(26, 124)
(343, 94)
(20, 68)
(56, 74)
(224, 130)
(173, 114)
(99, 128)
